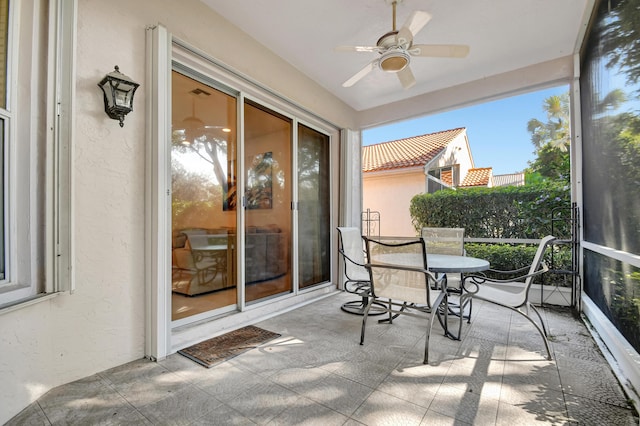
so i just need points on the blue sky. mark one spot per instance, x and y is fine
(497, 130)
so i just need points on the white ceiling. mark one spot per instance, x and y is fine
(503, 35)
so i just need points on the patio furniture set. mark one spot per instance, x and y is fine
(432, 275)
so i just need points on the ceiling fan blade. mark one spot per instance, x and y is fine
(406, 78)
(360, 74)
(416, 21)
(356, 48)
(440, 50)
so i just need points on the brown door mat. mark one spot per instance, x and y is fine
(226, 346)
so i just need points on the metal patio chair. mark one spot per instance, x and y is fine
(447, 241)
(511, 293)
(407, 290)
(357, 276)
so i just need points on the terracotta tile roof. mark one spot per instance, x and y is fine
(447, 177)
(408, 152)
(478, 177)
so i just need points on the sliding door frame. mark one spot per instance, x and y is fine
(161, 338)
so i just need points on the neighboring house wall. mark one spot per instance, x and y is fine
(457, 152)
(390, 193)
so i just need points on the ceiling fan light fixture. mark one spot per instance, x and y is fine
(394, 61)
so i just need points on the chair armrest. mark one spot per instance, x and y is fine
(349, 259)
(470, 282)
(509, 272)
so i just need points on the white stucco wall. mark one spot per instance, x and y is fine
(458, 151)
(101, 325)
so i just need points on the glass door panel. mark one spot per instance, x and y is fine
(313, 207)
(203, 150)
(267, 202)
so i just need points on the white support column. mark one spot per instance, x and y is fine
(351, 178)
(158, 195)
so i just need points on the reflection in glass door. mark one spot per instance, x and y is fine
(203, 152)
(267, 202)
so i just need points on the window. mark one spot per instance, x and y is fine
(35, 135)
(446, 177)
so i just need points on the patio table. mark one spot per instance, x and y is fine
(437, 263)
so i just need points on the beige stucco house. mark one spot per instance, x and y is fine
(394, 172)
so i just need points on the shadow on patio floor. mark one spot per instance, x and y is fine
(318, 374)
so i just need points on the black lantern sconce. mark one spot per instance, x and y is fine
(118, 94)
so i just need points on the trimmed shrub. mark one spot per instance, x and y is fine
(509, 257)
(530, 211)
(525, 212)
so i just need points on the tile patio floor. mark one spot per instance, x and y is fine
(318, 374)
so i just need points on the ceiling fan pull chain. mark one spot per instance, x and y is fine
(394, 15)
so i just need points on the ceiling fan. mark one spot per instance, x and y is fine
(193, 127)
(396, 49)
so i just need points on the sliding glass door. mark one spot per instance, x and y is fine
(213, 190)
(203, 152)
(314, 221)
(267, 202)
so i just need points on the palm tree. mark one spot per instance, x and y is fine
(556, 131)
(551, 140)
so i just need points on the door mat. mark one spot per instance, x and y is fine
(226, 346)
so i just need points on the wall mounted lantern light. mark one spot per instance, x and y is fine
(118, 94)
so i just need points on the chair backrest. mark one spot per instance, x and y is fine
(398, 271)
(444, 240)
(207, 241)
(353, 253)
(537, 259)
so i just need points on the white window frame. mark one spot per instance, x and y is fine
(38, 227)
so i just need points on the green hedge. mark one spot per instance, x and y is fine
(503, 212)
(526, 212)
(508, 257)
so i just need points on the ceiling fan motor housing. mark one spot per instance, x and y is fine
(394, 60)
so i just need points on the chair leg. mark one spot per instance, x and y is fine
(434, 312)
(540, 317)
(542, 334)
(464, 300)
(364, 319)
